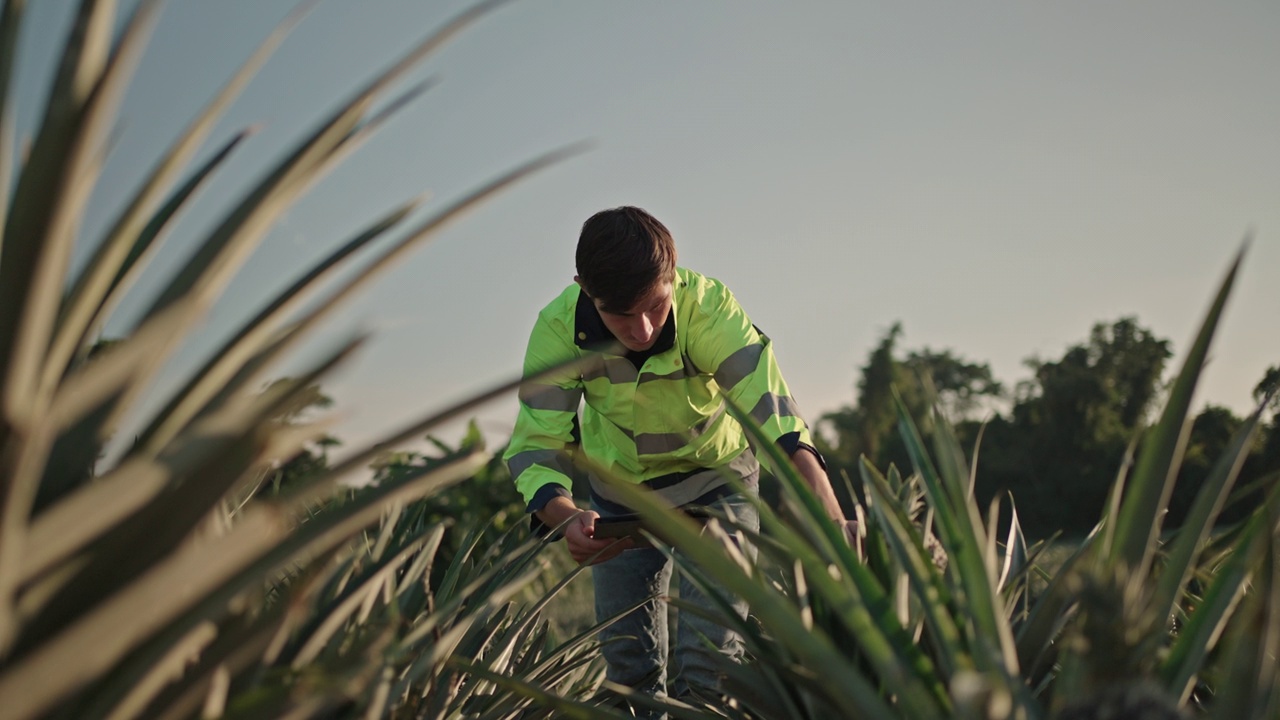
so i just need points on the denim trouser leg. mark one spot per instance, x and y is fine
(635, 647)
(640, 663)
(696, 666)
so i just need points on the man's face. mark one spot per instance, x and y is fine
(639, 327)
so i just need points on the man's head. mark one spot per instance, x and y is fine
(626, 263)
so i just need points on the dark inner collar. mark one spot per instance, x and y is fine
(590, 332)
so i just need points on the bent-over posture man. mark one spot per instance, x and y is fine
(659, 349)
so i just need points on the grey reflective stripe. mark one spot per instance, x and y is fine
(744, 466)
(771, 405)
(655, 443)
(551, 459)
(739, 365)
(550, 397)
(617, 370)
(687, 370)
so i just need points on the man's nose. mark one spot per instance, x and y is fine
(643, 328)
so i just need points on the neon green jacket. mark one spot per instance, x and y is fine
(657, 423)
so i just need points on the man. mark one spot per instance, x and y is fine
(658, 349)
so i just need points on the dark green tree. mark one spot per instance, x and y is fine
(875, 412)
(964, 390)
(860, 429)
(1210, 436)
(868, 428)
(1071, 421)
(1269, 389)
(1263, 463)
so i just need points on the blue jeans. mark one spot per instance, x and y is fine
(636, 645)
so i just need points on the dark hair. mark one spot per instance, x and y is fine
(623, 254)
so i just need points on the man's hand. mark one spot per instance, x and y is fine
(579, 532)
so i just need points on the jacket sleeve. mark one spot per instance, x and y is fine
(741, 359)
(544, 429)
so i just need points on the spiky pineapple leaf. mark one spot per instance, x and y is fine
(1139, 520)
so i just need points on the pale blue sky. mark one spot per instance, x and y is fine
(997, 176)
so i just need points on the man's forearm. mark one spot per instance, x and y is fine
(811, 470)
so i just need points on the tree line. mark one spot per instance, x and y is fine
(1056, 441)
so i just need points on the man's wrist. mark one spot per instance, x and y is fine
(557, 511)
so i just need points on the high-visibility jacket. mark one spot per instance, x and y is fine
(660, 422)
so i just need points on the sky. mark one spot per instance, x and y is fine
(996, 176)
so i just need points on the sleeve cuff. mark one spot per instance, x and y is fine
(540, 499)
(791, 444)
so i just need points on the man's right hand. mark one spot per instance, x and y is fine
(579, 532)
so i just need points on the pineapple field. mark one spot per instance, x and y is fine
(220, 564)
